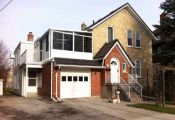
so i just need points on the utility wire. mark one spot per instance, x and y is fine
(5, 6)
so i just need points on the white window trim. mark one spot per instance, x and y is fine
(136, 40)
(131, 37)
(108, 34)
(124, 71)
(140, 76)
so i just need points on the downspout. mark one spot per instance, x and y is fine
(57, 86)
(51, 81)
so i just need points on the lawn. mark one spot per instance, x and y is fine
(153, 108)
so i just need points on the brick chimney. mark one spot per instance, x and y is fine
(30, 36)
(83, 26)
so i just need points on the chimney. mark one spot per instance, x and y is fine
(83, 26)
(30, 36)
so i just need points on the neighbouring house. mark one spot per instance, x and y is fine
(114, 53)
(162, 65)
(9, 80)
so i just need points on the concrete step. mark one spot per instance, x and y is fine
(135, 100)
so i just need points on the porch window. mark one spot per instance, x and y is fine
(87, 44)
(79, 43)
(138, 39)
(138, 68)
(47, 43)
(72, 41)
(68, 40)
(110, 34)
(129, 38)
(32, 78)
(32, 81)
(57, 40)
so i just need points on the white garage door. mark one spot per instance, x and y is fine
(75, 84)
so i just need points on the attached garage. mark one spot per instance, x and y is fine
(75, 83)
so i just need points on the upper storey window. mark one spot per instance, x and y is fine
(72, 41)
(129, 38)
(138, 39)
(62, 41)
(110, 34)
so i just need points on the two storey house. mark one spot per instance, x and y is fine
(113, 54)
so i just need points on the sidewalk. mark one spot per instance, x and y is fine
(120, 110)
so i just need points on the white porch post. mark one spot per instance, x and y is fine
(26, 82)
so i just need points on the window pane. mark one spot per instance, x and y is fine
(68, 42)
(75, 78)
(129, 37)
(69, 78)
(80, 78)
(138, 37)
(78, 43)
(138, 68)
(87, 44)
(32, 82)
(110, 34)
(85, 78)
(63, 78)
(57, 40)
(32, 74)
(124, 67)
(47, 43)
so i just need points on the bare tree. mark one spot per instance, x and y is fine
(5, 63)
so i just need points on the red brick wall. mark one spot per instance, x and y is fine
(116, 54)
(46, 81)
(95, 82)
(45, 90)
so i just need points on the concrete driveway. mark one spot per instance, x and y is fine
(120, 110)
(18, 108)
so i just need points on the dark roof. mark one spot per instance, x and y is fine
(106, 16)
(79, 62)
(105, 49)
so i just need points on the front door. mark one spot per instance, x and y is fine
(115, 70)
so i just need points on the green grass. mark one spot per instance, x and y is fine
(153, 108)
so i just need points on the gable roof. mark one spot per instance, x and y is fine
(106, 49)
(127, 5)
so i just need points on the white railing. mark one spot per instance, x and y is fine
(125, 86)
(135, 84)
(38, 55)
(23, 57)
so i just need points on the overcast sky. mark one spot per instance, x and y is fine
(23, 16)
